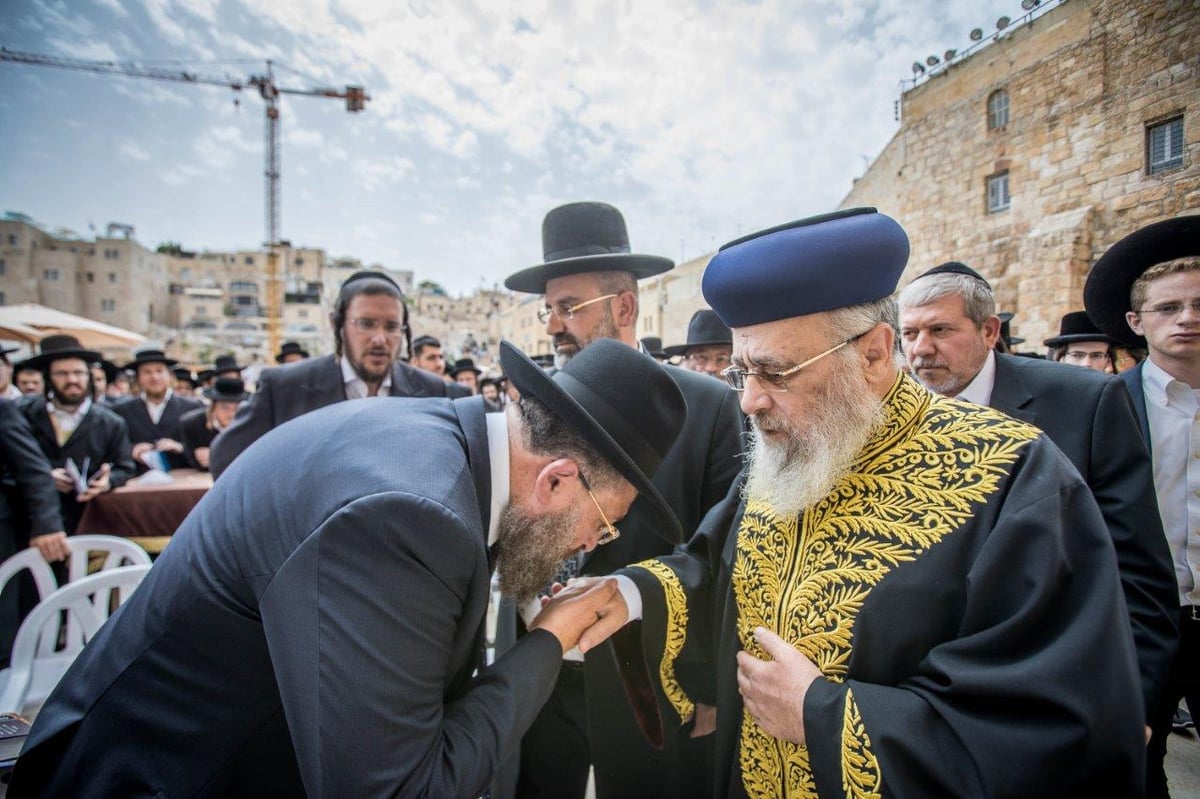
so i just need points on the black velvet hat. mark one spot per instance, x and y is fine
(56, 347)
(1078, 326)
(632, 430)
(227, 389)
(1106, 293)
(111, 370)
(183, 373)
(585, 237)
(464, 365)
(1006, 318)
(705, 328)
(817, 264)
(149, 356)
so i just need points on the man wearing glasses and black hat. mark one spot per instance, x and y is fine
(321, 632)
(589, 281)
(910, 595)
(1145, 292)
(370, 323)
(709, 345)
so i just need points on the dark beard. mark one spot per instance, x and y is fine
(606, 327)
(530, 549)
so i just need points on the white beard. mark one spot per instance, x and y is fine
(796, 474)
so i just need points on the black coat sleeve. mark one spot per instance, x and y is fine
(254, 419)
(35, 496)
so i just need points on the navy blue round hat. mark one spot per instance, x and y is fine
(817, 264)
(1106, 292)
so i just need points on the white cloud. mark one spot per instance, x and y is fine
(114, 6)
(160, 14)
(134, 151)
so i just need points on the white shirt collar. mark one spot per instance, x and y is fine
(356, 387)
(497, 434)
(63, 413)
(979, 390)
(1158, 383)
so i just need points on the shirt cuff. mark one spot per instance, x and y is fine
(631, 594)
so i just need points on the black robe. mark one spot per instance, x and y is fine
(958, 591)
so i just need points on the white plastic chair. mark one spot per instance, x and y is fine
(37, 662)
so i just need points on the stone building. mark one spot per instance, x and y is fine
(1032, 154)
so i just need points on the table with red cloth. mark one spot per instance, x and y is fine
(149, 514)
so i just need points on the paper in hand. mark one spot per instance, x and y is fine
(78, 475)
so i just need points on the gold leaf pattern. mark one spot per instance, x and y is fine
(676, 636)
(923, 474)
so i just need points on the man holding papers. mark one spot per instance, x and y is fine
(87, 444)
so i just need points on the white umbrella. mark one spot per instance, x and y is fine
(32, 322)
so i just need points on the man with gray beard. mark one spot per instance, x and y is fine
(909, 595)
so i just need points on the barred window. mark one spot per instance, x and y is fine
(1164, 146)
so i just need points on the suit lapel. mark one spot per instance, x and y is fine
(403, 383)
(1009, 393)
(325, 385)
(1133, 381)
(47, 435)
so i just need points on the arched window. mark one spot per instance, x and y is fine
(997, 109)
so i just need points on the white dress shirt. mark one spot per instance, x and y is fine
(64, 421)
(155, 409)
(356, 387)
(1173, 410)
(979, 390)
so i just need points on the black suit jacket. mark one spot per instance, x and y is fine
(313, 633)
(196, 434)
(101, 437)
(143, 430)
(285, 392)
(1133, 381)
(1090, 416)
(28, 499)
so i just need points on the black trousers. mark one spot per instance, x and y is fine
(555, 755)
(1183, 683)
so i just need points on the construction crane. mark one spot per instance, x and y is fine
(270, 91)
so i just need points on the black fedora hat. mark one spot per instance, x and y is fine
(1106, 292)
(227, 389)
(4, 352)
(204, 375)
(585, 237)
(1006, 318)
(57, 347)
(464, 365)
(183, 373)
(632, 430)
(654, 348)
(111, 370)
(226, 363)
(149, 356)
(1078, 326)
(290, 348)
(705, 328)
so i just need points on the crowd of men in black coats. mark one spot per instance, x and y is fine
(70, 441)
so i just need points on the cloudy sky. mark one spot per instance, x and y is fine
(701, 120)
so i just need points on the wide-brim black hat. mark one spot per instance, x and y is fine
(1006, 318)
(290, 348)
(1106, 292)
(227, 389)
(1078, 326)
(56, 347)
(585, 237)
(149, 356)
(704, 329)
(5, 351)
(654, 347)
(464, 365)
(226, 363)
(632, 430)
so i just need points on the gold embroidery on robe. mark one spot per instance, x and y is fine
(860, 770)
(922, 475)
(676, 637)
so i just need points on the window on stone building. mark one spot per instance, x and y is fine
(108, 306)
(299, 260)
(112, 277)
(997, 192)
(12, 239)
(91, 277)
(2, 302)
(1164, 146)
(997, 109)
(3, 267)
(249, 261)
(50, 274)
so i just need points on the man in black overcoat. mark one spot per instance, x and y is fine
(948, 327)
(316, 625)
(589, 281)
(153, 414)
(370, 321)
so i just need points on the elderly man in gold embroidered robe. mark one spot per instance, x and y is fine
(904, 595)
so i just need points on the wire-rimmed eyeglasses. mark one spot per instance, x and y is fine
(1169, 310)
(736, 376)
(564, 312)
(611, 533)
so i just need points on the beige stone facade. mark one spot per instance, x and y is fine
(1089, 84)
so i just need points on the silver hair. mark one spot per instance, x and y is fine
(845, 323)
(978, 301)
